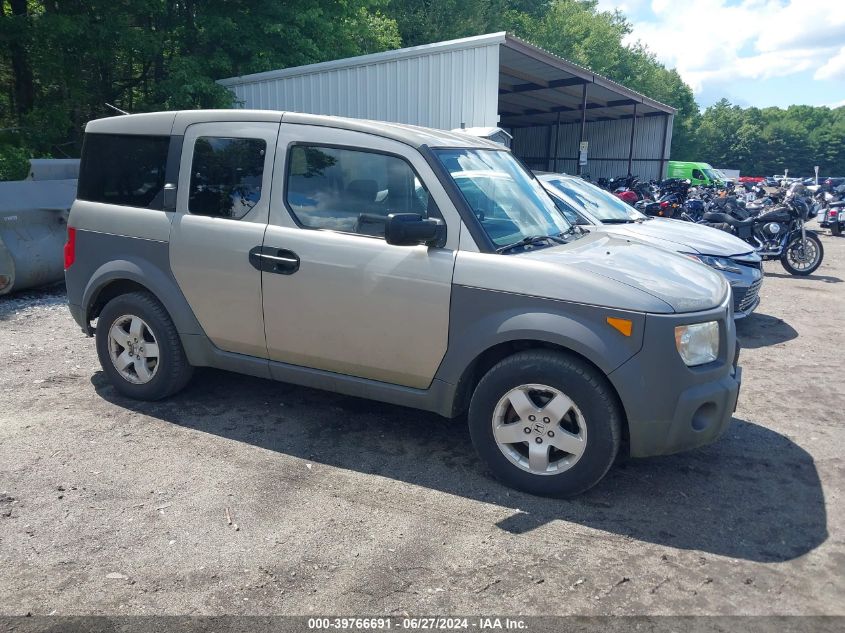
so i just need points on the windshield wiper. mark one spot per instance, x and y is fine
(571, 231)
(531, 239)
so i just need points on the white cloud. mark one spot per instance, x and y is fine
(710, 41)
(817, 23)
(628, 7)
(834, 68)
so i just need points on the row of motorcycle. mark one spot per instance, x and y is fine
(771, 220)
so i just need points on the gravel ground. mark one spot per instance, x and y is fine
(339, 505)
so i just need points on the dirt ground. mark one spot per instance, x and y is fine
(339, 505)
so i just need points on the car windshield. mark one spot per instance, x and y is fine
(712, 174)
(599, 203)
(509, 203)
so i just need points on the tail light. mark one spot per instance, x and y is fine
(664, 204)
(70, 247)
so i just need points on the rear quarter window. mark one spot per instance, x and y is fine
(123, 169)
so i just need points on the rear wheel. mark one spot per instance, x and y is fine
(139, 348)
(835, 229)
(546, 423)
(802, 258)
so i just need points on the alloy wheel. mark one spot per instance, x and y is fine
(133, 349)
(539, 429)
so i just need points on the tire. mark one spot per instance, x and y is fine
(788, 265)
(834, 228)
(146, 376)
(592, 425)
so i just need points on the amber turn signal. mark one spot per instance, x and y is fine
(625, 326)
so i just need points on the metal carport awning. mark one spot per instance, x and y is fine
(538, 89)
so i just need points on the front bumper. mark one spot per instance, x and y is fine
(671, 407)
(745, 289)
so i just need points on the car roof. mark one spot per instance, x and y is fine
(166, 123)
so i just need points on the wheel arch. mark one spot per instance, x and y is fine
(118, 277)
(489, 357)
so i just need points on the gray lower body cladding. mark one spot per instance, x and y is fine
(103, 258)
(669, 407)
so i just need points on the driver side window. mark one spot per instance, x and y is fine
(350, 190)
(696, 173)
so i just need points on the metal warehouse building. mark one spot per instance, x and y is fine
(550, 106)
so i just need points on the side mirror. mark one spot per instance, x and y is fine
(411, 229)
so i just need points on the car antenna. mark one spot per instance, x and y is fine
(116, 109)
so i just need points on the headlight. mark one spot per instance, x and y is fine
(698, 343)
(719, 263)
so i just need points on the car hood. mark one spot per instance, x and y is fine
(681, 283)
(681, 236)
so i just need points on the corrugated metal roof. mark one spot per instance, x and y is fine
(542, 55)
(438, 86)
(309, 88)
(482, 81)
(373, 58)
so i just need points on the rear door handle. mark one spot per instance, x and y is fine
(274, 260)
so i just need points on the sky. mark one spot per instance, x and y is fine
(752, 52)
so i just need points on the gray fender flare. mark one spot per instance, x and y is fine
(163, 286)
(592, 339)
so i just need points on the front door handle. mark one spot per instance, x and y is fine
(274, 260)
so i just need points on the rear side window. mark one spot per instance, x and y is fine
(226, 176)
(350, 190)
(123, 169)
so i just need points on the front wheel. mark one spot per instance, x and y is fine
(802, 258)
(546, 423)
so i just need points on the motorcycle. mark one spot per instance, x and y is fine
(693, 210)
(664, 199)
(830, 209)
(666, 207)
(778, 233)
(630, 189)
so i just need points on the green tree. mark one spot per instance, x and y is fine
(766, 141)
(62, 61)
